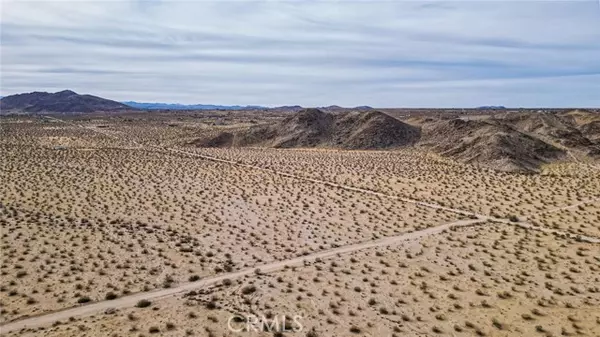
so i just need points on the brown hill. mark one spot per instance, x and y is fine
(520, 144)
(551, 127)
(489, 144)
(591, 130)
(580, 116)
(65, 101)
(315, 128)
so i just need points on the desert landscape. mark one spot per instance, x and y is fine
(323, 222)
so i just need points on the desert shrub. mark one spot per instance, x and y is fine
(110, 296)
(84, 299)
(143, 304)
(499, 325)
(249, 289)
(312, 333)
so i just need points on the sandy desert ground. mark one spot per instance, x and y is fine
(99, 208)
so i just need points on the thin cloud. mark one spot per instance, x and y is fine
(310, 53)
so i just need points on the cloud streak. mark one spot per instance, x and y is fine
(313, 53)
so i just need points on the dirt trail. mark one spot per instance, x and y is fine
(585, 202)
(281, 173)
(130, 301)
(322, 182)
(525, 225)
(352, 188)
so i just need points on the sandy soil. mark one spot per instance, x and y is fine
(521, 283)
(104, 208)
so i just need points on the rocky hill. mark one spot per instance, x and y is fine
(591, 130)
(65, 101)
(520, 142)
(550, 127)
(315, 128)
(490, 144)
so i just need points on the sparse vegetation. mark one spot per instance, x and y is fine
(143, 304)
(98, 232)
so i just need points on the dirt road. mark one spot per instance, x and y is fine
(130, 301)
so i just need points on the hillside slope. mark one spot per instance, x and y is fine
(315, 128)
(516, 145)
(489, 144)
(550, 127)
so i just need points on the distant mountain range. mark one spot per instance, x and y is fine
(492, 107)
(176, 106)
(68, 101)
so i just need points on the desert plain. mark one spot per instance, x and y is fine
(131, 225)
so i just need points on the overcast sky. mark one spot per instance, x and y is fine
(311, 53)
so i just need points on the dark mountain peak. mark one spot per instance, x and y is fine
(66, 101)
(66, 93)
